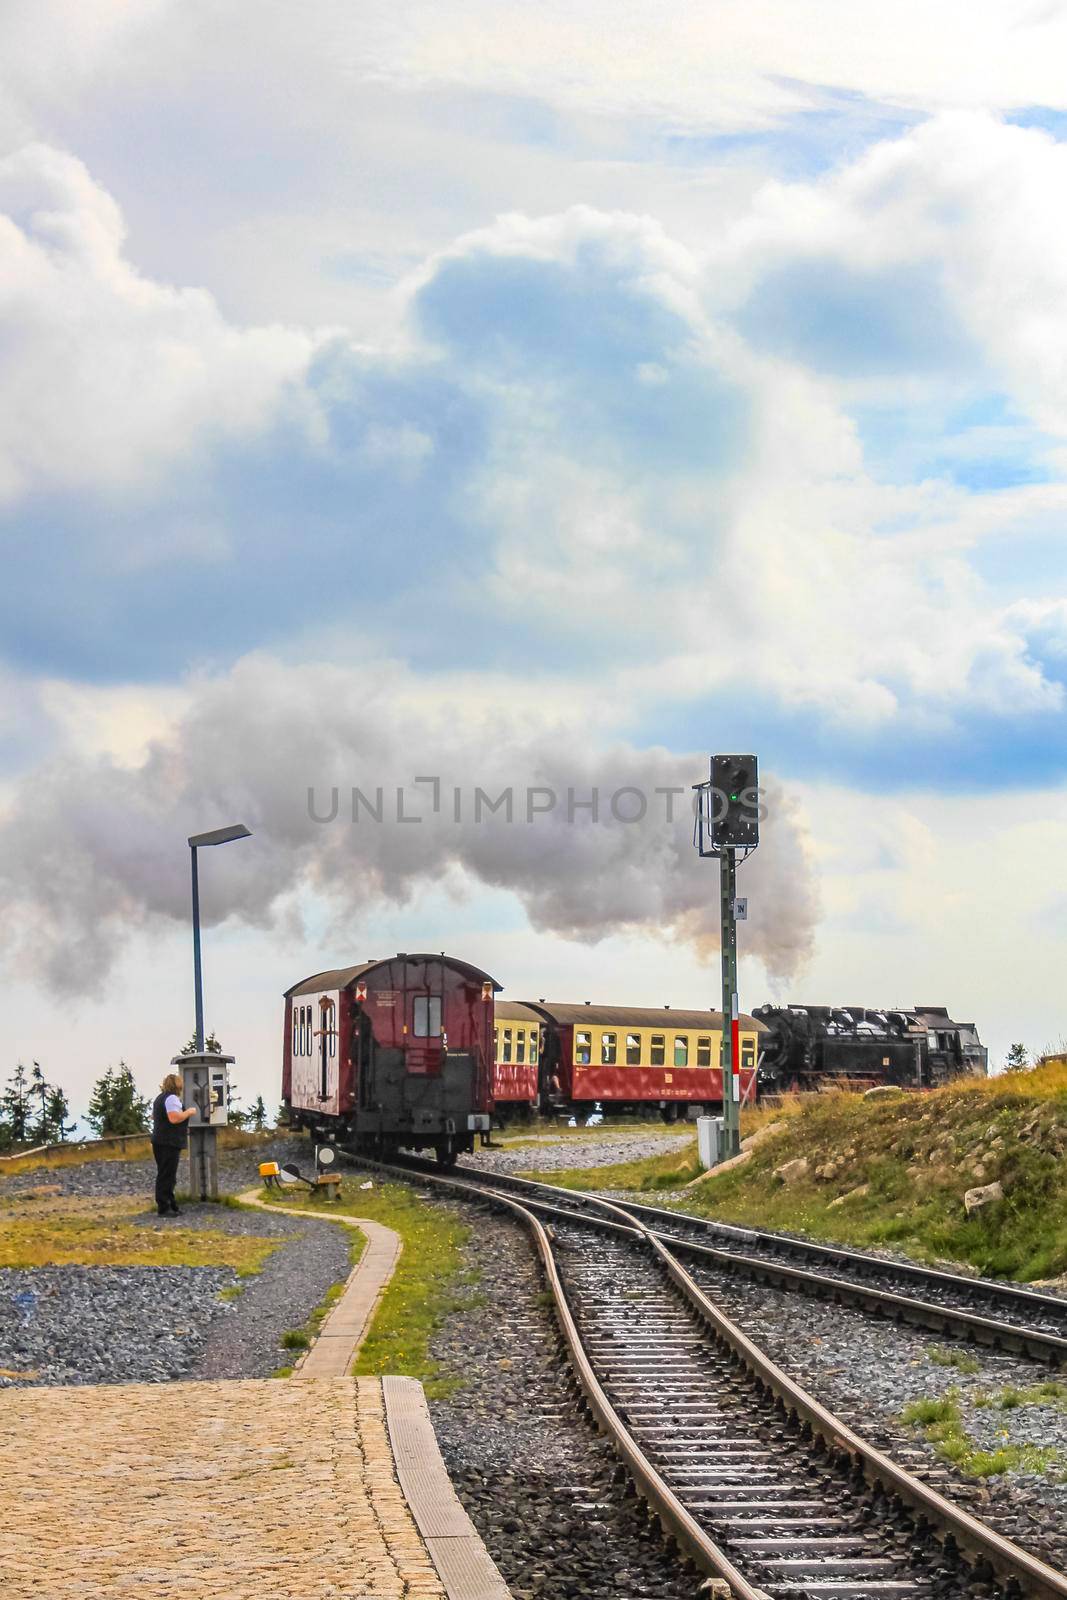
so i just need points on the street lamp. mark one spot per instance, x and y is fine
(217, 836)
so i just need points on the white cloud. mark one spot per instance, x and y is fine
(109, 378)
(964, 197)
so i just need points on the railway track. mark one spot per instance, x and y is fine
(757, 1482)
(1003, 1316)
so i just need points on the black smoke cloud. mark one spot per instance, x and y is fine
(92, 853)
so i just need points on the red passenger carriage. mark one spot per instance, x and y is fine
(390, 1054)
(636, 1057)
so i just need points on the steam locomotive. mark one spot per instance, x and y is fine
(805, 1045)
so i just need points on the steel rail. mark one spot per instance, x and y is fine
(677, 1521)
(958, 1321)
(809, 1249)
(954, 1524)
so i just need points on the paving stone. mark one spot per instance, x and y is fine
(238, 1489)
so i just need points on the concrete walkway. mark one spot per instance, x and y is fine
(349, 1322)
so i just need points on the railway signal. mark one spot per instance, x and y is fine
(727, 821)
(735, 802)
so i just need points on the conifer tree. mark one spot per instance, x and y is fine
(57, 1113)
(115, 1105)
(39, 1091)
(258, 1115)
(15, 1108)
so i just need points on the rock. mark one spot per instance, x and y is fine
(760, 1134)
(853, 1194)
(986, 1195)
(828, 1171)
(884, 1091)
(792, 1171)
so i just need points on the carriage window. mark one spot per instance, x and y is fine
(333, 1031)
(296, 1030)
(633, 1049)
(304, 1042)
(520, 1044)
(748, 1054)
(507, 1045)
(608, 1049)
(703, 1052)
(681, 1050)
(496, 1043)
(583, 1049)
(533, 1045)
(427, 1017)
(656, 1055)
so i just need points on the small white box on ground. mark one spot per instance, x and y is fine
(709, 1141)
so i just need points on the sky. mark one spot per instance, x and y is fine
(488, 399)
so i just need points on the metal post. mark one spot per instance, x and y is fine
(198, 981)
(203, 1163)
(731, 1063)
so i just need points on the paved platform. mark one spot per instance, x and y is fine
(217, 1491)
(326, 1488)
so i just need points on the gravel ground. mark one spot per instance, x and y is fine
(238, 1169)
(552, 1154)
(155, 1324)
(867, 1371)
(107, 1324)
(535, 1477)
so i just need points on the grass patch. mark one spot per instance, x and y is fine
(106, 1233)
(963, 1361)
(1050, 1393)
(423, 1288)
(295, 1339)
(942, 1425)
(912, 1159)
(927, 1412)
(670, 1170)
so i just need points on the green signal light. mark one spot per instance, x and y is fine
(735, 797)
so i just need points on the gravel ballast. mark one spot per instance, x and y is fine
(867, 1371)
(551, 1154)
(156, 1324)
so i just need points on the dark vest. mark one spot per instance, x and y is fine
(163, 1130)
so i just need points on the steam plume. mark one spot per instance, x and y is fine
(92, 853)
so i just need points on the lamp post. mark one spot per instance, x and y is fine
(217, 836)
(205, 1076)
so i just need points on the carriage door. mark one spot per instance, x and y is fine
(426, 1048)
(326, 1053)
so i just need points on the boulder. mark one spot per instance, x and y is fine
(792, 1171)
(853, 1194)
(827, 1172)
(884, 1091)
(986, 1195)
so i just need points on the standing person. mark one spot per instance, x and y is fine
(170, 1135)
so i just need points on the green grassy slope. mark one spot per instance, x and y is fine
(898, 1170)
